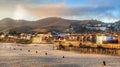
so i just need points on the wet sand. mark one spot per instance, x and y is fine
(43, 55)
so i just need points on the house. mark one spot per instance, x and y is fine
(106, 39)
(100, 39)
(2, 36)
(97, 28)
(41, 38)
(37, 39)
(119, 40)
(101, 27)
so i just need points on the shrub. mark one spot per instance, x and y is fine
(24, 41)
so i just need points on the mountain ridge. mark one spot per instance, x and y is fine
(47, 24)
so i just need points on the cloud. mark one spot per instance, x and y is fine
(29, 2)
(111, 3)
(20, 12)
(81, 12)
(48, 10)
(94, 9)
(63, 10)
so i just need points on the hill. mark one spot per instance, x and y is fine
(42, 25)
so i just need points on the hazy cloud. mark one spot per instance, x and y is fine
(63, 10)
(95, 9)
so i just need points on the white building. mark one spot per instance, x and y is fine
(97, 28)
(2, 36)
(100, 39)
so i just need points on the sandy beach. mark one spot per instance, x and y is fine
(43, 55)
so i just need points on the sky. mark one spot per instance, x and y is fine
(103, 10)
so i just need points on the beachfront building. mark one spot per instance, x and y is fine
(41, 38)
(37, 39)
(2, 36)
(106, 39)
(119, 39)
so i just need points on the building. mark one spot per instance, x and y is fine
(106, 39)
(37, 39)
(100, 39)
(97, 28)
(101, 27)
(41, 38)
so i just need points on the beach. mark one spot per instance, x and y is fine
(43, 55)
